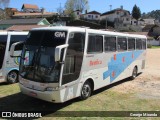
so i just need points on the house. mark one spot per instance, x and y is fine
(150, 21)
(60, 21)
(118, 16)
(30, 8)
(77, 14)
(21, 15)
(93, 15)
(32, 11)
(4, 24)
(10, 11)
(24, 27)
(140, 21)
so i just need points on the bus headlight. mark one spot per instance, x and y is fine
(51, 88)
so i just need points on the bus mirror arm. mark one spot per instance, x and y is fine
(12, 50)
(58, 50)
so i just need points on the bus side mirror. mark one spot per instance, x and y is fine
(58, 50)
(12, 49)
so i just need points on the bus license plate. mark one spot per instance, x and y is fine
(33, 94)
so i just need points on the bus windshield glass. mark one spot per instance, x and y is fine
(3, 41)
(38, 56)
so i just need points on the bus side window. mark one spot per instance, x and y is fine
(110, 43)
(122, 43)
(131, 43)
(138, 44)
(144, 44)
(17, 38)
(95, 44)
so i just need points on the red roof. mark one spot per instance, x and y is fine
(29, 6)
(24, 27)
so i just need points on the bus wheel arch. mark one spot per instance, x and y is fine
(87, 89)
(12, 76)
(134, 72)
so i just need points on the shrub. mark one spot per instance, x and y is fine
(149, 46)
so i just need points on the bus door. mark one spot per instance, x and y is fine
(13, 39)
(74, 57)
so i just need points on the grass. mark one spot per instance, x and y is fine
(104, 99)
(155, 47)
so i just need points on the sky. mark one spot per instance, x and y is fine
(98, 5)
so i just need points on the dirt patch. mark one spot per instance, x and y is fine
(147, 84)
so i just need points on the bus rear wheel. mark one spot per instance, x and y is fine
(86, 91)
(12, 77)
(134, 73)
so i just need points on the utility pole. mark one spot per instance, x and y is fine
(110, 7)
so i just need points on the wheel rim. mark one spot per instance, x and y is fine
(12, 76)
(86, 90)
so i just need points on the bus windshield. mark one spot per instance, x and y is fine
(3, 41)
(38, 62)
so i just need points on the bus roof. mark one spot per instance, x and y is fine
(84, 29)
(13, 33)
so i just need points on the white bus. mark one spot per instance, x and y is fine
(9, 67)
(62, 63)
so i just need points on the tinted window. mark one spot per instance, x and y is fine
(122, 44)
(95, 44)
(131, 43)
(144, 43)
(138, 44)
(110, 43)
(76, 45)
(3, 40)
(74, 57)
(46, 38)
(17, 38)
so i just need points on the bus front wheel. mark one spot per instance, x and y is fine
(86, 91)
(12, 77)
(134, 73)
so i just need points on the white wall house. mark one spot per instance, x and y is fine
(116, 13)
(157, 21)
(119, 16)
(93, 15)
(77, 14)
(149, 21)
(141, 22)
(154, 42)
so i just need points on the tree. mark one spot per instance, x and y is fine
(136, 13)
(72, 5)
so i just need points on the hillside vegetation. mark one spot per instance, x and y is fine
(153, 14)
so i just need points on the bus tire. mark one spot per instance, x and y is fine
(134, 73)
(86, 90)
(12, 77)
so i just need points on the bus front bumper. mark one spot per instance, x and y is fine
(50, 96)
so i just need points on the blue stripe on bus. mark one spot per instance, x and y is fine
(119, 62)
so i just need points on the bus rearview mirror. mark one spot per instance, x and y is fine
(58, 50)
(12, 50)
